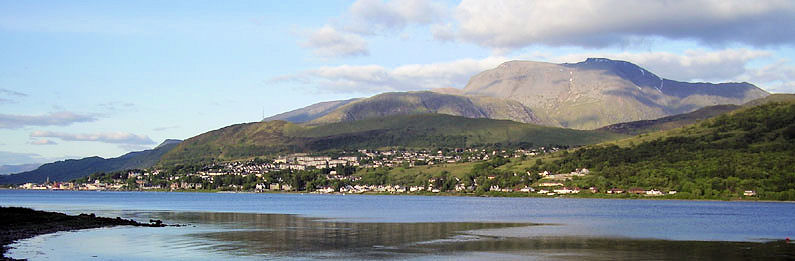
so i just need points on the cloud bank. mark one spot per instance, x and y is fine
(328, 42)
(105, 137)
(63, 118)
(513, 24)
(43, 142)
(367, 18)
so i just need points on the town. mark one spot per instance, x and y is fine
(362, 171)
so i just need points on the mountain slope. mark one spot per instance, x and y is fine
(73, 168)
(413, 131)
(600, 92)
(680, 120)
(405, 103)
(310, 112)
(670, 122)
(747, 149)
(778, 97)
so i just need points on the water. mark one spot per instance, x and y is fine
(310, 226)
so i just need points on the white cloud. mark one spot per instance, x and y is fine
(514, 24)
(375, 78)
(43, 142)
(373, 16)
(369, 17)
(777, 77)
(106, 137)
(166, 128)
(134, 147)
(11, 121)
(329, 42)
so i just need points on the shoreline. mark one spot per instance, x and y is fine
(17, 223)
(441, 194)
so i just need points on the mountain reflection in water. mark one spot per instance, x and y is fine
(364, 227)
(293, 236)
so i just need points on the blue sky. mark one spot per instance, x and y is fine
(85, 78)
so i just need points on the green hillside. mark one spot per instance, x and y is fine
(411, 131)
(748, 149)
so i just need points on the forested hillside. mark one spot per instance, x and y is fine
(749, 149)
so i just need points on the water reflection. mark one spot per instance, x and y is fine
(292, 236)
(578, 248)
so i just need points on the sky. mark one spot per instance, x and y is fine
(103, 78)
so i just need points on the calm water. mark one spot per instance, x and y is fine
(295, 226)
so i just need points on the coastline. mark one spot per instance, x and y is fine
(452, 194)
(18, 223)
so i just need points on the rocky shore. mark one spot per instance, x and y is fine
(20, 223)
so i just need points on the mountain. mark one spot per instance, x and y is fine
(10, 169)
(598, 92)
(75, 168)
(670, 122)
(249, 140)
(746, 149)
(310, 112)
(405, 103)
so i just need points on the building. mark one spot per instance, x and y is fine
(615, 191)
(654, 192)
(636, 191)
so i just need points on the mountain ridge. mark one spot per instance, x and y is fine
(65, 170)
(590, 94)
(310, 112)
(599, 92)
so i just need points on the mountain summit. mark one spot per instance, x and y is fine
(599, 92)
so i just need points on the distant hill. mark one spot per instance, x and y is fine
(670, 122)
(778, 97)
(75, 168)
(681, 120)
(248, 140)
(405, 103)
(747, 149)
(310, 112)
(11, 169)
(598, 92)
